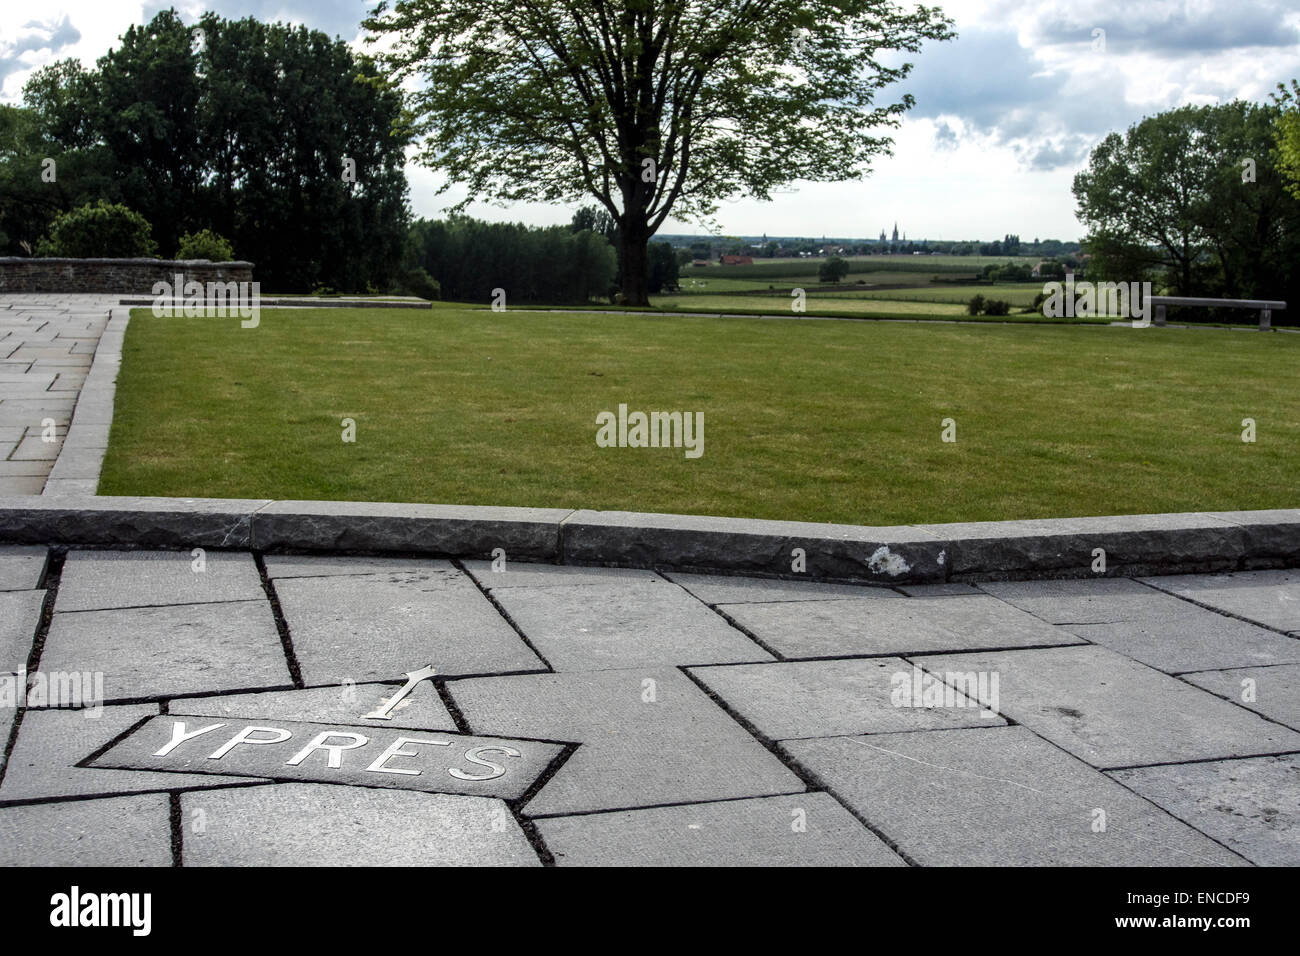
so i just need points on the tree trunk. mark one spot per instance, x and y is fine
(634, 265)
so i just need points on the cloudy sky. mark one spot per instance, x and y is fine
(1005, 114)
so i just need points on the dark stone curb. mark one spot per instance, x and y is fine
(272, 302)
(1059, 547)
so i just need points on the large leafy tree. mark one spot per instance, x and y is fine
(650, 107)
(1287, 134)
(1193, 198)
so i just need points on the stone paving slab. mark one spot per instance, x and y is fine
(100, 580)
(627, 624)
(681, 754)
(1082, 601)
(358, 753)
(21, 568)
(1273, 692)
(517, 574)
(168, 651)
(809, 829)
(378, 627)
(724, 589)
(1271, 598)
(422, 709)
(1189, 638)
(998, 797)
(116, 831)
(20, 615)
(646, 737)
(21, 485)
(835, 698)
(841, 628)
(321, 825)
(1111, 711)
(1252, 805)
(51, 744)
(320, 566)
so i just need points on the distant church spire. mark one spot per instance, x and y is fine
(895, 231)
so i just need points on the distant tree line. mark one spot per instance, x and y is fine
(249, 130)
(470, 260)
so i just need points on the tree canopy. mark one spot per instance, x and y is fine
(245, 128)
(650, 107)
(1193, 199)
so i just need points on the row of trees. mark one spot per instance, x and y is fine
(471, 259)
(1199, 201)
(275, 137)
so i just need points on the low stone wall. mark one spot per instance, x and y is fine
(112, 276)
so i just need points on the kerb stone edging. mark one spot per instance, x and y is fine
(81, 458)
(1057, 547)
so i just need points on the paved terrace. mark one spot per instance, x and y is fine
(47, 344)
(584, 715)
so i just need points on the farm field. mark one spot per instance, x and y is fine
(818, 303)
(821, 421)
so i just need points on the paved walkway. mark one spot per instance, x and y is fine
(47, 344)
(233, 712)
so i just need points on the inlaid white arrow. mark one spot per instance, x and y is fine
(413, 680)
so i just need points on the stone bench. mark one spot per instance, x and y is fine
(1265, 307)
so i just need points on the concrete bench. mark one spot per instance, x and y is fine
(1265, 307)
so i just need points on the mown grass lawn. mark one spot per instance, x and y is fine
(822, 421)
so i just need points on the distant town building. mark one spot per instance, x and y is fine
(737, 260)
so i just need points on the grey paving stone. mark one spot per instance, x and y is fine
(1082, 601)
(22, 485)
(951, 589)
(914, 625)
(369, 754)
(1271, 598)
(168, 651)
(70, 487)
(647, 737)
(831, 698)
(34, 448)
(422, 709)
(98, 580)
(52, 742)
(999, 796)
(1189, 638)
(304, 824)
(319, 566)
(521, 574)
(20, 615)
(78, 463)
(723, 589)
(760, 832)
(1271, 691)
(627, 624)
(381, 626)
(1251, 805)
(117, 831)
(1114, 712)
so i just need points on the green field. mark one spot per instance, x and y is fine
(1019, 294)
(823, 421)
(768, 269)
(818, 304)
